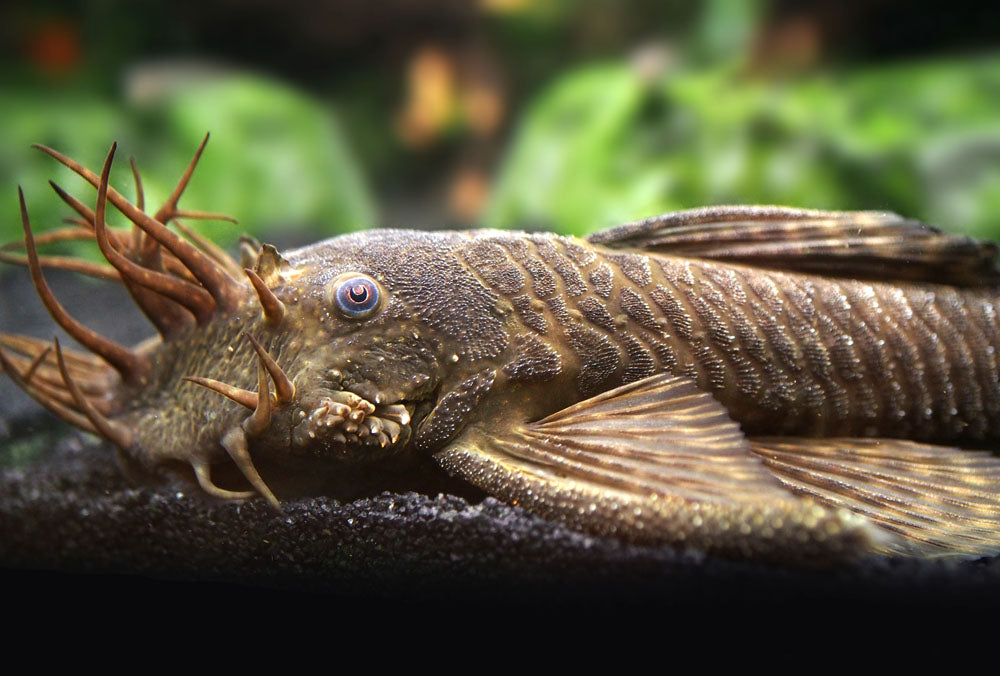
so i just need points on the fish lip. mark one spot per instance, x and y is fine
(354, 411)
(351, 422)
(335, 381)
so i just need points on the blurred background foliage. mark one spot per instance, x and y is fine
(333, 116)
(921, 139)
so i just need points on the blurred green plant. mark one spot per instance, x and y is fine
(276, 157)
(611, 143)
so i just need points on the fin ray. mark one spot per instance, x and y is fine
(862, 244)
(941, 500)
(655, 461)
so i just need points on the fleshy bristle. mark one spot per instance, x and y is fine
(169, 318)
(210, 248)
(203, 215)
(87, 216)
(61, 235)
(79, 207)
(140, 195)
(65, 263)
(271, 306)
(36, 362)
(57, 408)
(140, 203)
(114, 432)
(238, 394)
(80, 362)
(226, 291)
(185, 293)
(283, 386)
(235, 440)
(235, 443)
(34, 358)
(260, 419)
(202, 472)
(56, 389)
(169, 209)
(56, 393)
(131, 365)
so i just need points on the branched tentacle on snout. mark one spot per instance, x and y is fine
(176, 282)
(234, 440)
(114, 432)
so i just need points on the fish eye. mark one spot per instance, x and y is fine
(357, 296)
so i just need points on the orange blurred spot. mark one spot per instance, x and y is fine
(792, 46)
(55, 47)
(468, 194)
(484, 108)
(431, 97)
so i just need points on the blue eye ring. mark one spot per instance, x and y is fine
(357, 295)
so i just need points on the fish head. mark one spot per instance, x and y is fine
(380, 326)
(343, 350)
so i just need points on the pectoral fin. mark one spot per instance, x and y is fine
(943, 501)
(655, 461)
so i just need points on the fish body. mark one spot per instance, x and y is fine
(785, 353)
(754, 381)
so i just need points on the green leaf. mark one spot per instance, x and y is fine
(603, 146)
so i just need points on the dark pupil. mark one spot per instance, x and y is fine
(358, 293)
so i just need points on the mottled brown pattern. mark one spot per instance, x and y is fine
(581, 254)
(812, 355)
(634, 266)
(522, 252)
(530, 314)
(564, 266)
(640, 363)
(603, 280)
(597, 313)
(666, 356)
(729, 283)
(598, 356)
(533, 359)
(481, 334)
(674, 310)
(636, 307)
(491, 262)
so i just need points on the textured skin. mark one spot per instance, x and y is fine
(785, 353)
(559, 320)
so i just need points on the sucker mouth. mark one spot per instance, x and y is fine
(350, 419)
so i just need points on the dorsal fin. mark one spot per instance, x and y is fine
(859, 244)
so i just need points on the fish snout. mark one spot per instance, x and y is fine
(350, 425)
